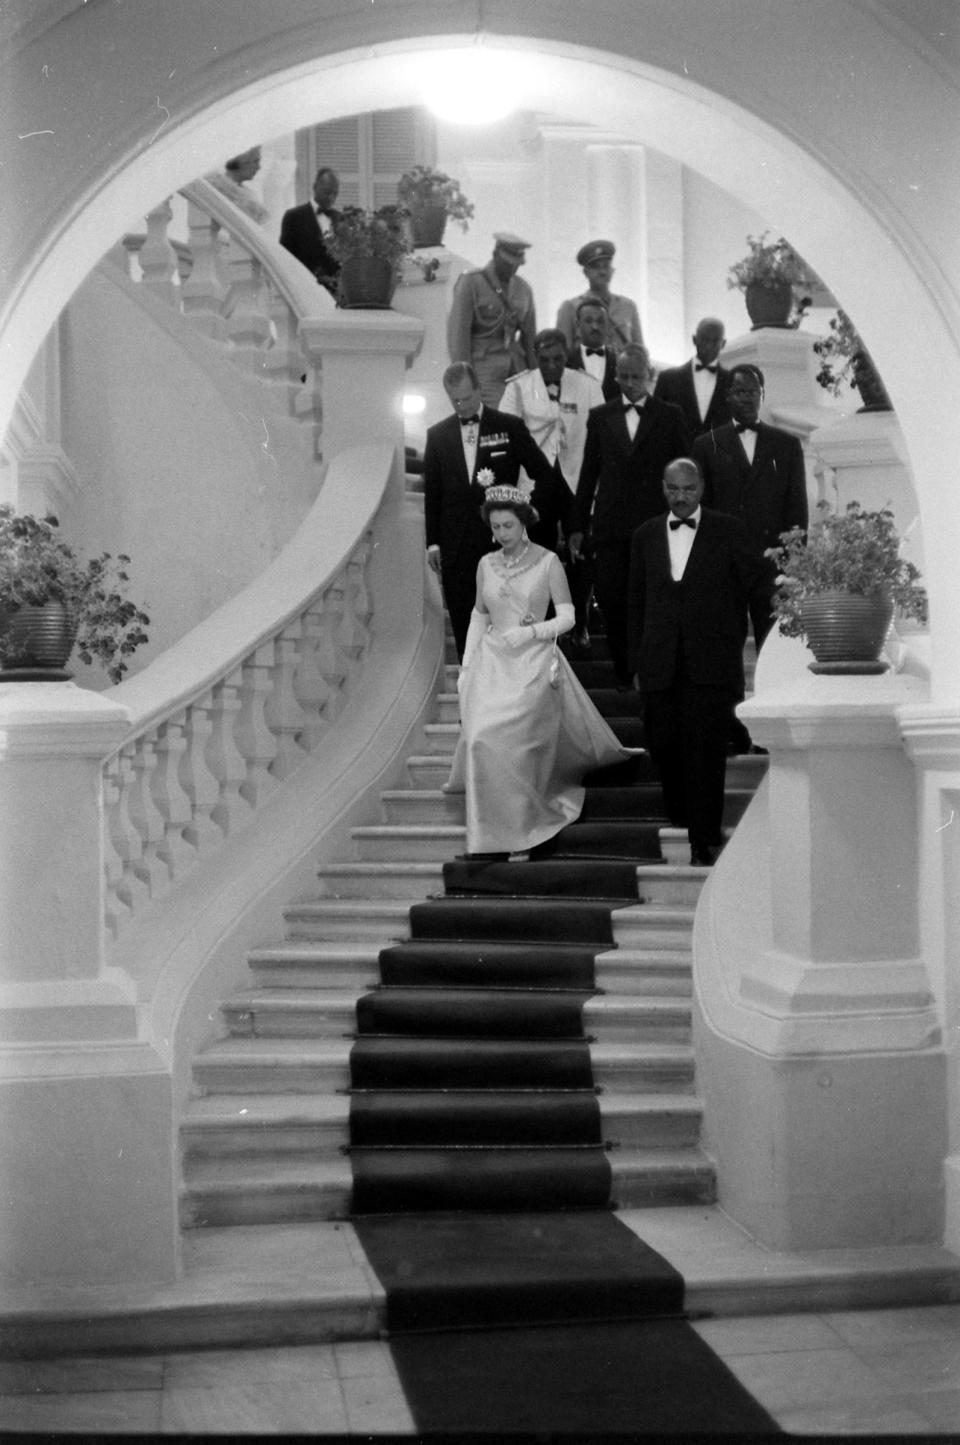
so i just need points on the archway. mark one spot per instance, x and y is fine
(820, 175)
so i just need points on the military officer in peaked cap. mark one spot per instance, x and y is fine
(492, 321)
(623, 318)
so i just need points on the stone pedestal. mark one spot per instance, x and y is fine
(816, 1016)
(792, 399)
(85, 1111)
(429, 302)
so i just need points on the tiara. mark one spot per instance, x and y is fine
(501, 493)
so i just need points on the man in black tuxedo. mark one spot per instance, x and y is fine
(629, 442)
(693, 575)
(591, 353)
(465, 453)
(755, 472)
(699, 387)
(305, 230)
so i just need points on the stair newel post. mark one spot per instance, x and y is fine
(158, 259)
(203, 292)
(256, 742)
(145, 872)
(362, 354)
(199, 783)
(177, 849)
(225, 759)
(248, 325)
(283, 714)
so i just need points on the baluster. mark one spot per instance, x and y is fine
(284, 716)
(176, 849)
(248, 325)
(203, 292)
(199, 783)
(225, 759)
(158, 259)
(312, 688)
(284, 362)
(354, 633)
(330, 659)
(141, 827)
(256, 742)
(117, 904)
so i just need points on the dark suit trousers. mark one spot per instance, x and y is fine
(611, 584)
(459, 578)
(687, 726)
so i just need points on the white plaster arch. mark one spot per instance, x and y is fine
(817, 112)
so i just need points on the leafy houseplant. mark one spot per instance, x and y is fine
(432, 197)
(39, 571)
(846, 567)
(845, 361)
(767, 276)
(370, 246)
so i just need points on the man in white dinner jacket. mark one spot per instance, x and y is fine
(554, 401)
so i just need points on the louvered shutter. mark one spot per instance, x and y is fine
(369, 153)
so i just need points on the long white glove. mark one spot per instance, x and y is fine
(557, 626)
(479, 622)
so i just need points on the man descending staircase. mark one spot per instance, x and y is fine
(438, 1034)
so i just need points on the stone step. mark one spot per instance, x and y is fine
(448, 707)
(649, 928)
(318, 965)
(415, 881)
(409, 842)
(662, 884)
(315, 1066)
(310, 1013)
(229, 1126)
(386, 920)
(428, 770)
(441, 738)
(409, 806)
(656, 972)
(746, 770)
(266, 1190)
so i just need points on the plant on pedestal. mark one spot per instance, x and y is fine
(846, 362)
(838, 584)
(50, 600)
(432, 198)
(769, 276)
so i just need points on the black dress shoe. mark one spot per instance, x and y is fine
(702, 857)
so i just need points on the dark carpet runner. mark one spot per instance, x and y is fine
(517, 1302)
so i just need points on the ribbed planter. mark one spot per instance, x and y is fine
(427, 225)
(846, 632)
(769, 305)
(37, 641)
(367, 283)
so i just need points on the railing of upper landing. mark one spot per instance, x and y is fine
(237, 285)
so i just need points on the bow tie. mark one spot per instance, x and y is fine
(702, 366)
(746, 426)
(636, 406)
(676, 522)
(470, 420)
(594, 351)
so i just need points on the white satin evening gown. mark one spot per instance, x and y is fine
(526, 742)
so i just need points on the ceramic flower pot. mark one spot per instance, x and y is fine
(367, 282)
(427, 225)
(846, 632)
(37, 641)
(769, 305)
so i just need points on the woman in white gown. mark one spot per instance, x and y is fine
(529, 730)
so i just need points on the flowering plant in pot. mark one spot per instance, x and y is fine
(432, 198)
(845, 361)
(45, 588)
(768, 277)
(838, 584)
(370, 246)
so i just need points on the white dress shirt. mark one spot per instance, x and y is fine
(704, 384)
(680, 540)
(748, 440)
(632, 417)
(469, 436)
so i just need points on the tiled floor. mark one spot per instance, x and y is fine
(894, 1371)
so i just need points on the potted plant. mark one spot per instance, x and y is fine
(432, 198)
(838, 584)
(845, 361)
(51, 600)
(370, 246)
(767, 276)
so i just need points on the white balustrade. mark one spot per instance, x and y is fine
(179, 788)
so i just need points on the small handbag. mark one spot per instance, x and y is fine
(555, 674)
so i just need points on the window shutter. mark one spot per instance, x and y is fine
(368, 152)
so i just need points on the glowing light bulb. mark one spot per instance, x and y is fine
(472, 87)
